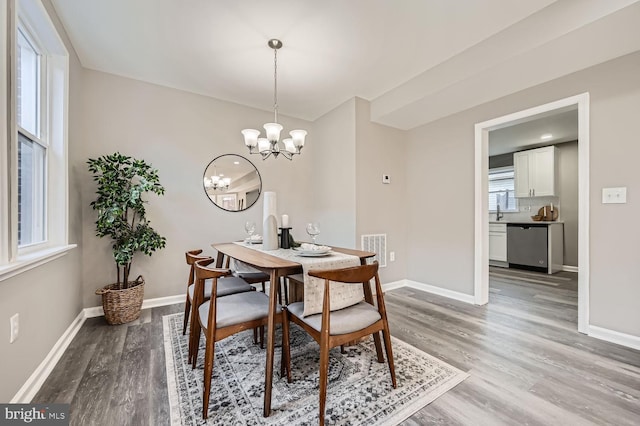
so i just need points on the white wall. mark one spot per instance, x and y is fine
(381, 208)
(440, 218)
(333, 195)
(179, 133)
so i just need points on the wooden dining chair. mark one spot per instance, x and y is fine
(221, 317)
(226, 286)
(335, 328)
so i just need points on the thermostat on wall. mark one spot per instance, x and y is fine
(386, 179)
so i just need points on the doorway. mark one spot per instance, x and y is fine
(481, 267)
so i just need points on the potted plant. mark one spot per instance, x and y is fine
(122, 181)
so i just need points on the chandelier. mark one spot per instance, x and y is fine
(271, 144)
(217, 183)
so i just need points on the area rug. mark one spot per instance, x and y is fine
(359, 389)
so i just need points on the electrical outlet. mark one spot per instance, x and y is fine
(386, 179)
(15, 328)
(392, 256)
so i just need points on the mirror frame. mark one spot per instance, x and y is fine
(204, 175)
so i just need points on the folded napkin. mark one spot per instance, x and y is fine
(313, 247)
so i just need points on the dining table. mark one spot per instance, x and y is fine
(277, 267)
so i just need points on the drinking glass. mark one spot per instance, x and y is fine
(250, 227)
(313, 229)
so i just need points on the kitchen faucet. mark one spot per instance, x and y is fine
(498, 214)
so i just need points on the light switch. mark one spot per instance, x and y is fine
(614, 195)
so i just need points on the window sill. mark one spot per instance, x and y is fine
(33, 260)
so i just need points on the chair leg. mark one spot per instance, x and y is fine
(285, 288)
(195, 342)
(208, 372)
(255, 336)
(378, 344)
(263, 287)
(324, 372)
(387, 347)
(193, 324)
(187, 311)
(342, 350)
(261, 332)
(279, 292)
(286, 349)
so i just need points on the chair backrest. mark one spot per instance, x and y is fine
(355, 274)
(204, 272)
(192, 257)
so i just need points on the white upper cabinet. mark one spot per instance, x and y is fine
(535, 172)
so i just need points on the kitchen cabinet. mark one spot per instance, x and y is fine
(498, 242)
(535, 172)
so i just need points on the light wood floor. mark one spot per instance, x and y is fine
(528, 363)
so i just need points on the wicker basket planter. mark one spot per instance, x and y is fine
(122, 306)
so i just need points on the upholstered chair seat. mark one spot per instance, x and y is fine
(342, 321)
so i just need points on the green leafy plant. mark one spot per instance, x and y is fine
(122, 181)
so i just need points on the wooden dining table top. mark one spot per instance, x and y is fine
(262, 260)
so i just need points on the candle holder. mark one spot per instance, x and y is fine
(284, 238)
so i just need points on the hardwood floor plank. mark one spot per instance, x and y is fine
(528, 364)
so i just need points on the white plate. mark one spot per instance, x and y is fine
(325, 250)
(314, 254)
(253, 241)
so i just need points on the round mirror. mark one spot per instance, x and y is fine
(232, 182)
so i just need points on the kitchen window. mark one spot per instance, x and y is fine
(502, 190)
(33, 212)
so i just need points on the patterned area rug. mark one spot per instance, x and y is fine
(359, 390)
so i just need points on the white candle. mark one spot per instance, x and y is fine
(544, 211)
(285, 220)
(552, 207)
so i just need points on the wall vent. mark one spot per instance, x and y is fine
(376, 243)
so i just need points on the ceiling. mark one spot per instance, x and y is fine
(561, 125)
(415, 60)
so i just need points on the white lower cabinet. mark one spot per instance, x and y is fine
(498, 242)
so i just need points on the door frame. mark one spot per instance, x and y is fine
(481, 245)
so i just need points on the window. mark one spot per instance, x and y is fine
(502, 190)
(32, 147)
(33, 213)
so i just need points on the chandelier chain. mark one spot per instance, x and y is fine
(275, 85)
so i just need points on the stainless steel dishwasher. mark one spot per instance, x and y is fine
(527, 245)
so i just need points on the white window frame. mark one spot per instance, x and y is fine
(504, 169)
(33, 17)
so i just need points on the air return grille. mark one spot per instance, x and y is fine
(376, 243)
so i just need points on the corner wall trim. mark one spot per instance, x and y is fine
(612, 336)
(37, 378)
(467, 298)
(97, 311)
(569, 268)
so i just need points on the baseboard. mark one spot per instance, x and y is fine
(393, 285)
(568, 268)
(97, 311)
(37, 378)
(467, 298)
(612, 336)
